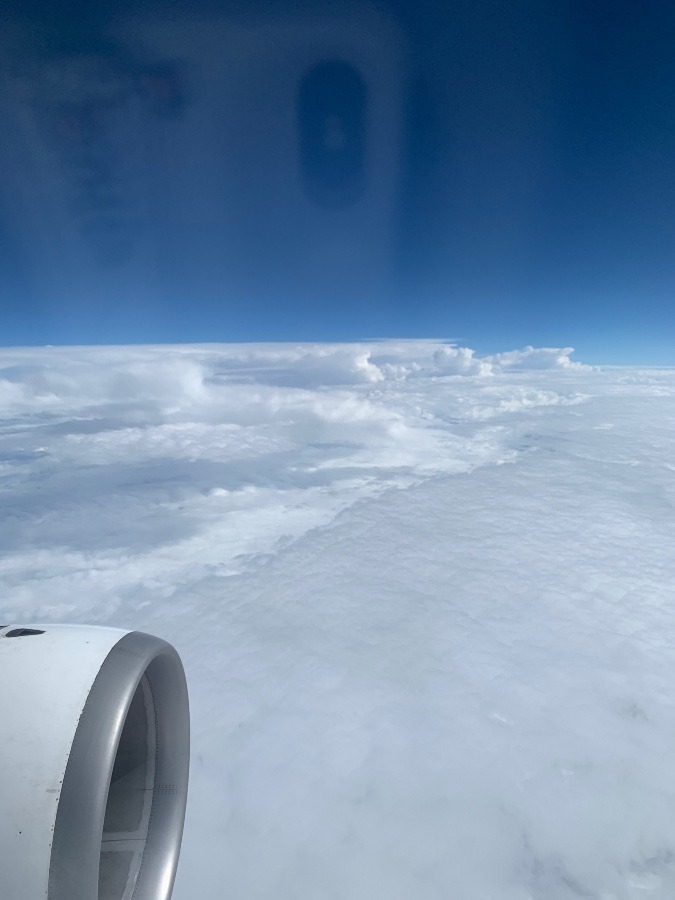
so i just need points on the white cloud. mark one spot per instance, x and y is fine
(537, 358)
(460, 361)
(423, 599)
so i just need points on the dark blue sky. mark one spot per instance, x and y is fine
(501, 173)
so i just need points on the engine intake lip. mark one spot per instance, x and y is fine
(147, 672)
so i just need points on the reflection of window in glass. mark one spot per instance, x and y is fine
(331, 113)
(88, 112)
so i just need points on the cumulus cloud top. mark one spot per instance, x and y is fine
(159, 373)
(535, 358)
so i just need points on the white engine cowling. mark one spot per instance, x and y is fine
(94, 756)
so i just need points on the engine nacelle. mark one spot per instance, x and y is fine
(94, 756)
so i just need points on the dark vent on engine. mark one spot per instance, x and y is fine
(23, 632)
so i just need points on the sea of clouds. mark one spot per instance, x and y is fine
(424, 600)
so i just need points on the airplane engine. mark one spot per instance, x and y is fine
(94, 755)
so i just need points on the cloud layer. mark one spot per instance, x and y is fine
(423, 599)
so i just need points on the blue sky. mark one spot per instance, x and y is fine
(499, 174)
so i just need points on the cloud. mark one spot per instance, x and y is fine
(422, 597)
(535, 359)
(460, 361)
